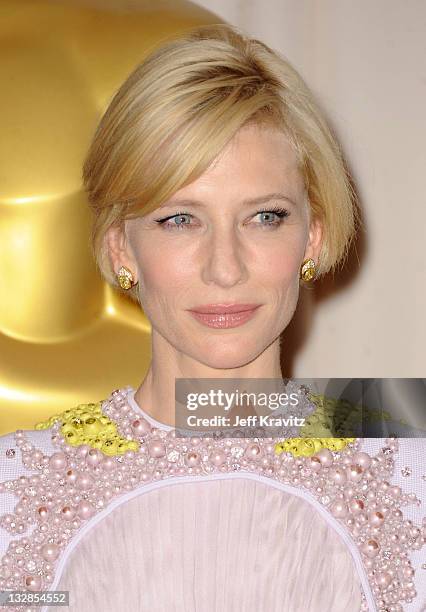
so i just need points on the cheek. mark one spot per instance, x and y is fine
(162, 274)
(281, 266)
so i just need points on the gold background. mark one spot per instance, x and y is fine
(66, 337)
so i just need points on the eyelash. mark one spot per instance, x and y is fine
(281, 213)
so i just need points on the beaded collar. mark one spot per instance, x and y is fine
(127, 449)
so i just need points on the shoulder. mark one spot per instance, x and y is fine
(15, 467)
(13, 449)
(25, 453)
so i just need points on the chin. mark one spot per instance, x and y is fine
(220, 356)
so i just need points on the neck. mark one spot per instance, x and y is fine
(156, 394)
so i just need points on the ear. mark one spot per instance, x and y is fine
(118, 250)
(316, 232)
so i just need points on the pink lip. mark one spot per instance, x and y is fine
(224, 320)
(223, 308)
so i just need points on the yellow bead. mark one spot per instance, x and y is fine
(317, 427)
(305, 447)
(87, 424)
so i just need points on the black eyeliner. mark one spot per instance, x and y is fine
(280, 212)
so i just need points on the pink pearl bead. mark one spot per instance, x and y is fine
(325, 456)
(84, 482)
(338, 475)
(68, 513)
(108, 464)
(217, 457)
(50, 552)
(356, 506)
(43, 513)
(408, 572)
(94, 457)
(5, 572)
(83, 449)
(71, 476)
(376, 518)
(349, 492)
(252, 451)
(354, 473)
(383, 579)
(362, 459)
(315, 463)
(192, 459)
(58, 461)
(370, 548)
(33, 583)
(339, 509)
(141, 427)
(85, 509)
(156, 448)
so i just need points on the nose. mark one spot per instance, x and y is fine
(224, 258)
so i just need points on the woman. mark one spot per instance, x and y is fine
(216, 188)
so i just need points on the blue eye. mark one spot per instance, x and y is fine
(281, 213)
(175, 217)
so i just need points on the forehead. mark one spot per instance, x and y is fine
(257, 161)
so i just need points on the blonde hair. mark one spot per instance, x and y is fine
(180, 107)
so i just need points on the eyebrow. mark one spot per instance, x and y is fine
(248, 202)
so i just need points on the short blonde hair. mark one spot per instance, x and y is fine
(180, 107)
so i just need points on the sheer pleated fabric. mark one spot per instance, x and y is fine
(214, 546)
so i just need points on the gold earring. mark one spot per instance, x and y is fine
(307, 270)
(125, 278)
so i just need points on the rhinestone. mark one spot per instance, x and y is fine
(173, 456)
(237, 451)
(10, 453)
(406, 471)
(386, 450)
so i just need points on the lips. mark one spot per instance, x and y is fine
(223, 308)
(224, 320)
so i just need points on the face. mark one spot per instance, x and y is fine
(210, 243)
